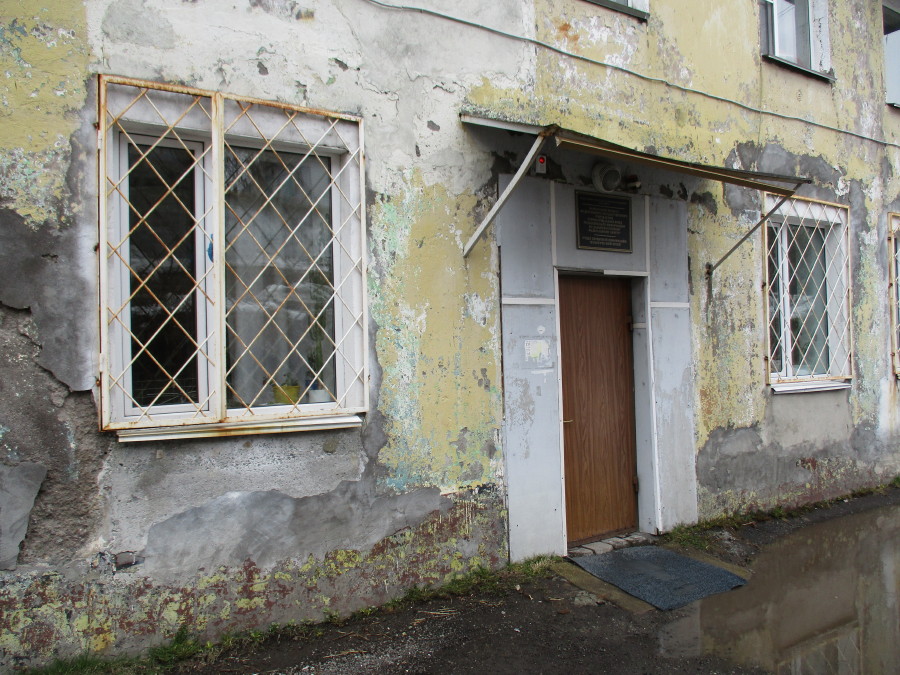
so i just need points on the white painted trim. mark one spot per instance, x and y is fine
(527, 301)
(502, 199)
(624, 273)
(240, 428)
(647, 239)
(639, 326)
(560, 446)
(553, 247)
(669, 305)
(500, 124)
(654, 440)
(812, 385)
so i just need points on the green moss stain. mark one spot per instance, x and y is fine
(437, 340)
(50, 614)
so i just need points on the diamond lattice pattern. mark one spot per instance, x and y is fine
(808, 292)
(290, 268)
(894, 229)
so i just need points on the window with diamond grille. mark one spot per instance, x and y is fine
(807, 277)
(233, 266)
(894, 246)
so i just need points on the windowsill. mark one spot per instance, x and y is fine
(624, 9)
(240, 428)
(809, 386)
(826, 77)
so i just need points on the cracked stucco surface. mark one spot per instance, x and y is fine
(436, 363)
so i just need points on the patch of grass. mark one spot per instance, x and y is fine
(181, 648)
(696, 536)
(90, 664)
(480, 580)
(688, 537)
(157, 660)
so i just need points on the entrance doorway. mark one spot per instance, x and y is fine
(598, 406)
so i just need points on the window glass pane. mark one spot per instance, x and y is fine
(279, 280)
(776, 363)
(792, 39)
(892, 66)
(163, 275)
(809, 301)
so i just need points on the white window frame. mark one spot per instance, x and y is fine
(121, 346)
(636, 8)
(893, 221)
(819, 42)
(891, 22)
(335, 136)
(799, 211)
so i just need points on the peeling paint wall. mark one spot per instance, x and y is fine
(125, 544)
(655, 86)
(418, 493)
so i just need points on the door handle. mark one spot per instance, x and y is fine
(567, 421)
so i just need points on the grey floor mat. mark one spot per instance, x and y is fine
(663, 578)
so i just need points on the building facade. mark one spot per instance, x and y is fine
(306, 302)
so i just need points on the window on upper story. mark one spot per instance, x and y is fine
(891, 14)
(807, 277)
(795, 33)
(637, 8)
(232, 272)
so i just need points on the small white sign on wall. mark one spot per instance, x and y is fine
(537, 353)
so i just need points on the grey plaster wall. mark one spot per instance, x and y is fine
(532, 402)
(262, 526)
(42, 423)
(99, 496)
(19, 485)
(793, 448)
(148, 483)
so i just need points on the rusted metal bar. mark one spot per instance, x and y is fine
(193, 91)
(710, 268)
(526, 165)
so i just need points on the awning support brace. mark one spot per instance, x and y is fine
(710, 268)
(526, 166)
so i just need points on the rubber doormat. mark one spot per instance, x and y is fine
(663, 578)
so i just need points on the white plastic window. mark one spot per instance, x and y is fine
(891, 16)
(797, 33)
(639, 8)
(233, 270)
(807, 278)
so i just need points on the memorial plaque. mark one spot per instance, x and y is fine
(603, 222)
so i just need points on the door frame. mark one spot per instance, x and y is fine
(644, 413)
(598, 336)
(532, 256)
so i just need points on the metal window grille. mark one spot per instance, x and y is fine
(894, 257)
(808, 291)
(233, 262)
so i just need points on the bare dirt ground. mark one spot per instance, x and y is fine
(542, 625)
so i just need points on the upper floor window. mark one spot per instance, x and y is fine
(891, 16)
(807, 277)
(795, 32)
(637, 8)
(232, 262)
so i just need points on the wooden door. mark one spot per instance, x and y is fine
(598, 406)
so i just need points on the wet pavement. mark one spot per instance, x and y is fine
(821, 600)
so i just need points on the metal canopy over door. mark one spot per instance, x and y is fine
(598, 406)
